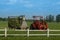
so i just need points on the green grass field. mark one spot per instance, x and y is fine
(51, 25)
(3, 24)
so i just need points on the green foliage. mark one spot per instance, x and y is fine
(3, 19)
(58, 18)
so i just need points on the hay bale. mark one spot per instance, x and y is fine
(13, 22)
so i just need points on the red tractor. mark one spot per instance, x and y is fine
(39, 23)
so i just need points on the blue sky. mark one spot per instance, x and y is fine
(29, 7)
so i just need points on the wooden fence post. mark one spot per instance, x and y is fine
(27, 32)
(5, 32)
(48, 32)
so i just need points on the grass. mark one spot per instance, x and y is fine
(54, 25)
(3, 24)
(51, 25)
(30, 38)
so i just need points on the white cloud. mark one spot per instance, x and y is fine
(8, 2)
(58, 3)
(12, 2)
(23, 1)
(26, 3)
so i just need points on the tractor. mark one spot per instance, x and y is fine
(38, 23)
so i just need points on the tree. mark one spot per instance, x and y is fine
(0, 18)
(4, 19)
(50, 18)
(47, 18)
(58, 18)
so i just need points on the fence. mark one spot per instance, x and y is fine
(28, 34)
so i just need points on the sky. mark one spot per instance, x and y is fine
(29, 7)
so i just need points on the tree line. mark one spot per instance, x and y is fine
(49, 18)
(52, 18)
(3, 19)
